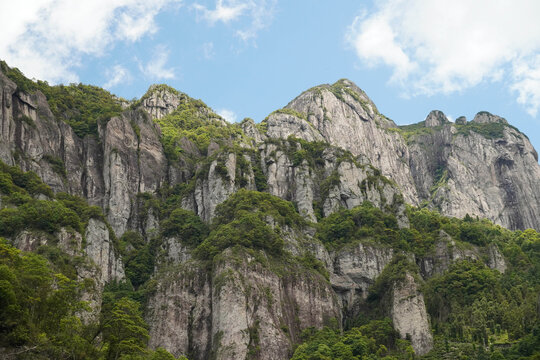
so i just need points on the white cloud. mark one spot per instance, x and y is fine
(156, 68)
(527, 83)
(258, 14)
(48, 38)
(225, 11)
(208, 50)
(228, 115)
(436, 46)
(117, 75)
(374, 40)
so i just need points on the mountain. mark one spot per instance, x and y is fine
(241, 240)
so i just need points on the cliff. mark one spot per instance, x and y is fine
(328, 179)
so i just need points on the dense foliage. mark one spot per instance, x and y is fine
(488, 130)
(243, 220)
(362, 222)
(476, 312)
(81, 106)
(40, 315)
(20, 189)
(492, 130)
(375, 340)
(196, 122)
(41, 293)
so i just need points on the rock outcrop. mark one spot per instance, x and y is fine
(355, 269)
(484, 168)
(409, 315)
(98, 263)
(343, 116)
(241, 309)
(441, 166)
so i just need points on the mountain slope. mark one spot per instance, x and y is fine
(245, 240)
(483, 168)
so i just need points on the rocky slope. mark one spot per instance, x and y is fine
(329, 149)
(484, 168)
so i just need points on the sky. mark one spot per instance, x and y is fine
(246, 58)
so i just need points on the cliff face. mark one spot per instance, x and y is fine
(484, 168)
(343, 115)
(409, 315)
(240, 310)
(441, 165)
(329, 149)
(125, 159)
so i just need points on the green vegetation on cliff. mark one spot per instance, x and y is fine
(81, 106)
(40, 316)
(245, 220)
(375, 340)
(20, 190)
(196, 122)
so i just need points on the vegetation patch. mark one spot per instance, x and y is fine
(27, 120)
(57, 165)
(287, 111)
(412, 131)
(196, 122)
(82, 107)
(375, 340)
(493, 130)
(156, 88)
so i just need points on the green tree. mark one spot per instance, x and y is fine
(124, 330)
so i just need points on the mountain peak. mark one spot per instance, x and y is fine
(484, 117)
(436, 118)
(160, 100)
(342, 92)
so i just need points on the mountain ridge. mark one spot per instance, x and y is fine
(239, 237)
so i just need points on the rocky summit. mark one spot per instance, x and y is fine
(325, 231)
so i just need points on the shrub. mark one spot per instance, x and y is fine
(186, 225)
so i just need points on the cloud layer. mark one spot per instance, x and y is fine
(48, 38)
(437, 46)
(259, 14)
(228, 115)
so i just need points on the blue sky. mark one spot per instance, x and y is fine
(246, 58)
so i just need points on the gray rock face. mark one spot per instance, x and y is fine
(409, 315)
(462, 120)
(250, 129)
(355, 269)
(464, 172)
(99, 249)
(484, 117)
(495, 259)
(448, 252)
(161, 101)
(109, 172)
(134, 162)
(100, 262)
(335, 183)
(344, 116)
(436, 118)
(457, 171)
(180, 312)
(445, 254)
(241, 309)
(442, 167)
